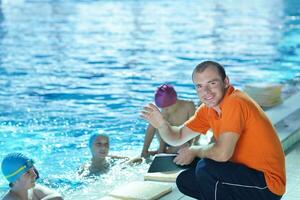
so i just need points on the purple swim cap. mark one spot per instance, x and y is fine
(165, 96)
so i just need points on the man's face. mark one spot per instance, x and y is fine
(27, 180)
(210, 87)
(100, 147)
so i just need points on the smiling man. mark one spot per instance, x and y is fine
(245, 162)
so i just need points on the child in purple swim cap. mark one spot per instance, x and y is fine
(175, 110)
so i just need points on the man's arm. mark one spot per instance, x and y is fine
(221, 151)
(173, 135)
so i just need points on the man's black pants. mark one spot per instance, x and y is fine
(212, 180)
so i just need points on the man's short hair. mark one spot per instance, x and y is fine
(202, 66)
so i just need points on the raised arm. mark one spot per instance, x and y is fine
(173, 135)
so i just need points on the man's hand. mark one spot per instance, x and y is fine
(152, 114)
(185, 156)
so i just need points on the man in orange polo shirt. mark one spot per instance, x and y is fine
(245, 162)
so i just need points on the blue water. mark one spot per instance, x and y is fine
(70, 68)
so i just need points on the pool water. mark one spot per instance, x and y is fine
(71, 68)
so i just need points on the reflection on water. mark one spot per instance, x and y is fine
(70, 68)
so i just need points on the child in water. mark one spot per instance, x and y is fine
(101, 161)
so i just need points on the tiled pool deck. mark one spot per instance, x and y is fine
(293, 174)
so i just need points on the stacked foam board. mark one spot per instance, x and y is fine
(266, 95)
(140, 190)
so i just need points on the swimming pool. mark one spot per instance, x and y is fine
(70, 68)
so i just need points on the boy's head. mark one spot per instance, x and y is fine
(165, 96)
(99, 145)
(15, 165)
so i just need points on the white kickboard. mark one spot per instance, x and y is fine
(162, 176)
(141, 190)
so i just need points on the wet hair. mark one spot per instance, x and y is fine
(204, 65)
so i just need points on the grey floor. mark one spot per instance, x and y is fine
(293, 174)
